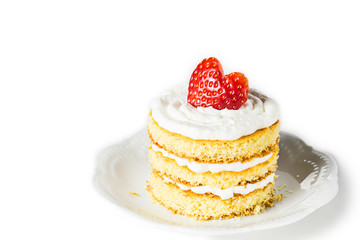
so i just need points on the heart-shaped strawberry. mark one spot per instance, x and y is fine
(209, 87)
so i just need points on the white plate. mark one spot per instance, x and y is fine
(310, 177)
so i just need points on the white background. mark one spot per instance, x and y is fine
(77, 76)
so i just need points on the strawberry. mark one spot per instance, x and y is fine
(209, 87)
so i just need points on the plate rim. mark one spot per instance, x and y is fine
(269, 224)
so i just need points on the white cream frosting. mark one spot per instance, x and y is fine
(212, 167)
(172, 112)
(229, 192)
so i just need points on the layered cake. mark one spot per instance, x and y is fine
(214, 146)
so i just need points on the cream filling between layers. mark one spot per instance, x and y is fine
(226, 193)
(212, 167)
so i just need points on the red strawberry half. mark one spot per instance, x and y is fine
(209, 87)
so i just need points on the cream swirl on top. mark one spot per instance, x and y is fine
(172, 112)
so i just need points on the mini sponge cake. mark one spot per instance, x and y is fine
(213, 162)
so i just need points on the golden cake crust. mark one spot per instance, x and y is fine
(224, 179)
(215, 151)
(208, 206)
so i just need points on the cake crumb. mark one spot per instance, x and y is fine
(278, 197)
(297, 175)
(134, 194)
(281, 187)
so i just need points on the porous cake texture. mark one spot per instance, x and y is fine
(208, 206)
(215, 194)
